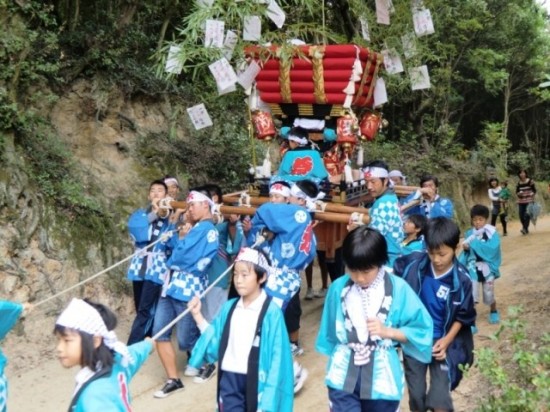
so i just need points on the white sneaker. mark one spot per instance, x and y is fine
(190, 371)
(321, 293)
(310, 294)
(297, 350)
(300, 376)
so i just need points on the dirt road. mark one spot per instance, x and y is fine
(38, 383)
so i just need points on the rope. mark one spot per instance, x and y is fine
(163, 237)
(244, 200)
(260, 239)
(356, 218)
(322, 205)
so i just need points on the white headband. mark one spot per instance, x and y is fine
(310, 201)
(280, 189)
(302, 141)
(83, 317)
(253, 256)
(195, 196)
(378, 172)
(297, 192)
(396, 173)
(171, 181)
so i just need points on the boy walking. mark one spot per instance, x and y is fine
(482, 256)
(445, 288)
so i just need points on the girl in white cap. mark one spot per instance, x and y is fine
(85, 338)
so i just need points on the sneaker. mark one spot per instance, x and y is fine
(310, 294)
(494, 317)
(205, 373)
(523, 231)
(190, 371)
(296, 349)
(171, 386)
(300, 376)
(321, 293)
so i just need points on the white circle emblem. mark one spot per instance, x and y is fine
(300, 216)
(212, 236)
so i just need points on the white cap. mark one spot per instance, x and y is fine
(250, 255)
(81, 316)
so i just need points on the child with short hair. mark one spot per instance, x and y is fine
(192, 254)
(482, 256)
(291, 249)
(445, 288)
(9, 314)
(250, 341)
(148, 268)
(368, 313)
(86, 338)
(413, 227)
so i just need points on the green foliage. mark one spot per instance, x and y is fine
(493, 147)
(517, 377)
(52, 168)
(219, 153)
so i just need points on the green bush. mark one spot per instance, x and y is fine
(518, 376)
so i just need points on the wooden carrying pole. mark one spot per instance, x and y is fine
(404, 190)
(245, 210)
(329, 207)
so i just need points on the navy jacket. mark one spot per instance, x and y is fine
(460, 307)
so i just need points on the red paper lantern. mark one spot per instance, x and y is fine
(369, 125)
(346, 129)
(264, 128)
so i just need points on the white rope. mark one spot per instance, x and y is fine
(244, 200)
(356, 218)
(164, 236)
(322, 205)
(259, 240)
(165, 203)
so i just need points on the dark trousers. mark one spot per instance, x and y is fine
(137, 287)
(341, 401)
(524, 217)
(292, 313)
(502, 217)
(334, 266)
(232, 396)
(145, 314)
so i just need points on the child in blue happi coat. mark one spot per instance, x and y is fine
(413, 227)
(148, 269)
(249, 340)
(9, 313)
(444, 287)
(302, 161)
(368, 313)
(86, 338)
(481, 255)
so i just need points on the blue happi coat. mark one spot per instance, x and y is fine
(147, 257)
(405, 312)
(275, 374)
(440, 207)
(111, 392)
(292, 249)
(191, 257)
(386, 218)
(157, 258)
(484, 247)
(302, 163)
(9, 313)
